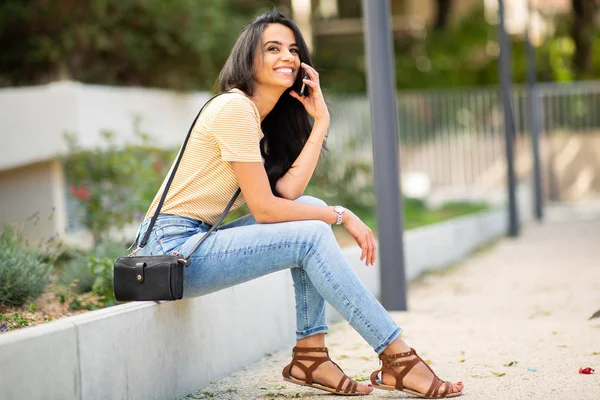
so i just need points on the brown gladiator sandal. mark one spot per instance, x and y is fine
(308, 371)
(388, 368)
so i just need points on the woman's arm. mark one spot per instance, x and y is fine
(267, 208)
(293, 183)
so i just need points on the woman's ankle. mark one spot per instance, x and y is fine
(317, 340)
(397, 346)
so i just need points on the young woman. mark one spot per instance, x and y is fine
(258, 136)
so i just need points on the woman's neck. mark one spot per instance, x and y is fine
(265, 99)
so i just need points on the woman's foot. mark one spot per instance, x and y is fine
(414, 373)
(419, 378)
(311, 366)
(327, 374)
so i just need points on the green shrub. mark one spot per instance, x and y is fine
(102, 270)
(78, 274)
(112, 184)
(23, 274)
(99, 276)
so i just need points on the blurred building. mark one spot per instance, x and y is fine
(337, 17)
(33, 120)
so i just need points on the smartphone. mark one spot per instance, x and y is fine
(304, 88)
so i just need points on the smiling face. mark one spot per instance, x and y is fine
(277, 61)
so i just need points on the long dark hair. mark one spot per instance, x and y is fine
(288, 126)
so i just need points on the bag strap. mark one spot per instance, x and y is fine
(212, 228)
(170, 180)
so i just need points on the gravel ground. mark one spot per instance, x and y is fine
(510, 323)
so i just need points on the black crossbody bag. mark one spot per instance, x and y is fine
(159, 277)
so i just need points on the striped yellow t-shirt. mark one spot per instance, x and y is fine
(228, 130)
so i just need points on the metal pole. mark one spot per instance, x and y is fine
(509, 127)
(384, 124)
(534, 116)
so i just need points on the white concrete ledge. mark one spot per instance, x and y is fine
(165, 351)
(440, 245)
(435, 246)
(147, 350)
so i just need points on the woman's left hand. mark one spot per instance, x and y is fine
(314, 103)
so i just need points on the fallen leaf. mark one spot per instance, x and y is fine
(510, 364)
(586, 371)
(462, 360)
(498, 373)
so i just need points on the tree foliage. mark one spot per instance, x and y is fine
(179, 44)
(182, 44)
(583, 30)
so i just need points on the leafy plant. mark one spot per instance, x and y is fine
(112, 183)
(99, 271)
(24, 275)
(78, 275)
(17, 320)
(102, 270)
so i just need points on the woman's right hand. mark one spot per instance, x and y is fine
(363, 236)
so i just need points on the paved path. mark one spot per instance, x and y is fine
(511, 322)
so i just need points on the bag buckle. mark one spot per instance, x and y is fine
(135, 251)
(181, 258)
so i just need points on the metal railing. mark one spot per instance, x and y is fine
(455, 137)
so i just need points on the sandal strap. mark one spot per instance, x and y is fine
(434, 388)
(350, 388)
(391, 357)
(341, 384)
(316, 362)
(310, 350)
(407, 367)
(447, 387)
(311, 358)
(389, 363)
(436, 381)
(427, 365)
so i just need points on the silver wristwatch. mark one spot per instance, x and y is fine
(340, 212)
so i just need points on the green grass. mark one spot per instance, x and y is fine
(416, 213)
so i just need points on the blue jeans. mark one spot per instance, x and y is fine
(244, 249)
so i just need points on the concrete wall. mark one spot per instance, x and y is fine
(33, 121)
(165, 351)
(146, 350)
(35, 189)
